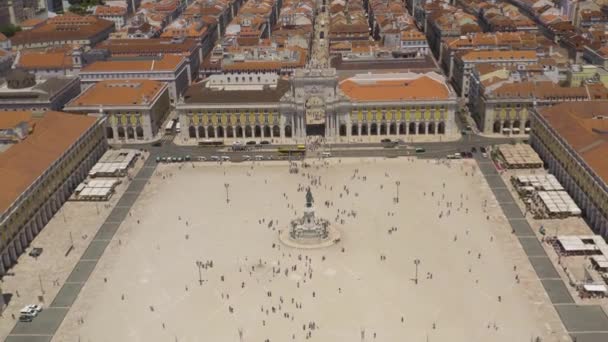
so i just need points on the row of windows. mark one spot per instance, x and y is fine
(130, 75)
(509, 105)
(414, 43)
(406, 108)
(239, 112)
(233, 118)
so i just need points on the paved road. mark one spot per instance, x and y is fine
(588, 323)
(433, 149)
(43, 327)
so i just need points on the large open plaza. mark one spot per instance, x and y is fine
(474, 281)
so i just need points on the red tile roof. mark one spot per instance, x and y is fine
(52, 134)
(584, 126)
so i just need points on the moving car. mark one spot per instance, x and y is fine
(420, 150)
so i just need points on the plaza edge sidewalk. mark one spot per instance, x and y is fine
(585, 323)
(43, 328)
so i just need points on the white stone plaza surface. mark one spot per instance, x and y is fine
(146, 286)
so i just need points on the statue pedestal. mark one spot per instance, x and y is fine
(309, 232)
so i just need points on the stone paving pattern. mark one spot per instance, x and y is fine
(48, 321)
(586, 323)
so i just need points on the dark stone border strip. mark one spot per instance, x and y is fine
(44, 327)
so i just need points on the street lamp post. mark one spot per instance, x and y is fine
(397, 183)
(199, 264)
(40, 279)
(226, 185)
(416, 263)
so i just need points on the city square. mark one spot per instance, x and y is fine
(198, 255)
(294, 170)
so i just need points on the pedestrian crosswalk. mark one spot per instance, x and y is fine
(168, 137)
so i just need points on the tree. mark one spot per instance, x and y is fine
(9, 30)
(77, 9)
(85, 3)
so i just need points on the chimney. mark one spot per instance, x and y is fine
(77, 57)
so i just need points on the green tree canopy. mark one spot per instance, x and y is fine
(9, 30)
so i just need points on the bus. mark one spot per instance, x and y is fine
(299, 149)
(209, 142)
(169, 126)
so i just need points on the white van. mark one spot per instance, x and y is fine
(32, 309)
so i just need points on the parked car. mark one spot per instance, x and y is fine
(157, 143)
(26, 317)
(264, 142)
(215, 158)
(258, 157)
(202, 159)
(246, 157)
(473, 149)
(28, 311)
(35, 252)
(483, 149)
(385, 140)
(225, 158)
(251, 142)
(35, 307)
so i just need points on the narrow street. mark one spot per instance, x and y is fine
(320, 46)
